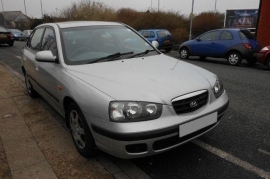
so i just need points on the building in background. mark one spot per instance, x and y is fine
(263, 27)
(14, 20)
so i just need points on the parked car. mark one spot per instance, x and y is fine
(232, 44)
(117, 91)
(264, 56)
(25, 35)
(16, 33)
(6, 37)
(162, 36)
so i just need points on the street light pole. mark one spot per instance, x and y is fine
(2, 5)
(215, 7)
(151, 6)
(41, 8)
(25, 8)
(158, 5)
(191, 21)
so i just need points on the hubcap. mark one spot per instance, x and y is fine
(233, 58)
(77, 129)
(183, 53)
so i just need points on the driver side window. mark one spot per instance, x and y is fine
(210, 36)
(35, 41)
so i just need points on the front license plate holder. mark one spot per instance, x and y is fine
(197, 124)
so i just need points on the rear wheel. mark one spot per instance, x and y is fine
(10, 44)
(80, 131)
(234, 58)
(30, 90)
(184, 53)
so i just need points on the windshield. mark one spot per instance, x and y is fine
(83, 45)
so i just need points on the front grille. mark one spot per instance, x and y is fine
(190, 104)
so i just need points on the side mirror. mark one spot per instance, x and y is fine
(155, 44)
(45, 56)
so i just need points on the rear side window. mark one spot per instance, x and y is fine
(210, 36)
(163, 33)
(226, 35)
(246, 34)
(146, 34)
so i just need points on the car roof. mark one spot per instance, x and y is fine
(69, 24)
(152, 29)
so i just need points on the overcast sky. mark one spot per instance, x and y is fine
(33, 7)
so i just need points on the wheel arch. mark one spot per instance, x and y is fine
(67, 100)
(234, 50)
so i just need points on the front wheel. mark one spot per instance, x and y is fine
(184, 53)
(30, 90)
(80, 131)
(168, 50)
(234, 58)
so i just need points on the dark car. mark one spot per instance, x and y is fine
(162, 36)
(25, 35)
(264, 56)
(6, 37)
(232, 44)
(16, 33)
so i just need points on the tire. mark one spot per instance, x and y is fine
(29, 88)
(251, 61)
(168, 50)
(268, 63)
(184, 53)
(11, 44)
(20, 39)
(202, 57)
(234, 58)
(80, 132)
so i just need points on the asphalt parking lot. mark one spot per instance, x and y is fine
(239, 147)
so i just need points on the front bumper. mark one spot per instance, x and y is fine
(122, 141)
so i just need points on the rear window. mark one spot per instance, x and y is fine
(163, 33)
(246, 34)
(2, 29)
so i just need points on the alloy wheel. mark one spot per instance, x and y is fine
(233, 59)
(77, 129)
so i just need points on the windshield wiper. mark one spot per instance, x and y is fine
(142, 53)
(111, 57)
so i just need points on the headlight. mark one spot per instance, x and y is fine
(218, 88)
(134, 111)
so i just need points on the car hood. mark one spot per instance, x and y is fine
(156, 78)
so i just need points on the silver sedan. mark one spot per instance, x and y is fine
(117, 92)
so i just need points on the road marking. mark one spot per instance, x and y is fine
(232, 159)
(9, 53)
(264, 152)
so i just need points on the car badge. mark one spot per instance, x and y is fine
(193, 104)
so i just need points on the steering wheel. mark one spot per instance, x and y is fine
(82, 49)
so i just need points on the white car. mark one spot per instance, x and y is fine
(117, 92)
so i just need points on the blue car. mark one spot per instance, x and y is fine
(16, 33)
(232, 44)
(162, 36)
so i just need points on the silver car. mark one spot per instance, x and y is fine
(117, 92)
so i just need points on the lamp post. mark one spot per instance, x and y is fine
(2, 5)
(25, 8)
(191, 20)
(151, 6)
(41, 8)
(215, 7)
(158, 4)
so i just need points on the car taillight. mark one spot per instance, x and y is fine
(10, 36)
(247, 45)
